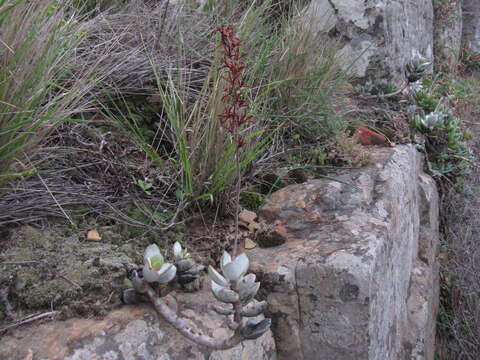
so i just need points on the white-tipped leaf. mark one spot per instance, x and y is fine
(224, 294)
(254, 329)
(161, 275)
(226, 258)
(243, 262)
(177, 250)
(221, 310)
(254, 310)
(232, 271)
(151, 251)
(215, 276)
(149, 274)
(168, 274)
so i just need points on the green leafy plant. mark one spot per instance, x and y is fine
(446, 143)
(427, 102)
(145, 186)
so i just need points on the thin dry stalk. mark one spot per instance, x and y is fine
(29, 319)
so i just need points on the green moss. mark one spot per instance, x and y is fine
(62, 278)
(251, 200)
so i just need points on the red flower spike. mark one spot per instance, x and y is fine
(234, 115)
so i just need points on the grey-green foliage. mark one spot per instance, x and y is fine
(446, 143)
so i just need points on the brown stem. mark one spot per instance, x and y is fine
(237, 307)
(29, 319)
(237, 198)
(183, 328)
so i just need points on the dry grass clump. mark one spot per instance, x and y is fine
(152, 71)
(131, 45)
(36, 42)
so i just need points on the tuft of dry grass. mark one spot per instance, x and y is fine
(38, 90)
(164, 55)
(133, 45)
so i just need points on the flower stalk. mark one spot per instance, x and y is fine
(235, 115)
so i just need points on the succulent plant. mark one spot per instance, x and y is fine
(155, 268)
(179, 253)
(433, 119)
(234, 285)
(417, 67)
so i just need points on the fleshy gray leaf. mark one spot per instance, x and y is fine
(184, 265)
(254, 329)
(256, 309)
(221, 310)
(215, 276)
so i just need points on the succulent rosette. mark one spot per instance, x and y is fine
(155, 268)
(179, 253)
(233, 285)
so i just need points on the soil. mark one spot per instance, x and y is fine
(44, 269)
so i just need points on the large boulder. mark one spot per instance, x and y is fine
(358, 276)
(380, 37)
(447, 34)
(471, 25)
(132, 333)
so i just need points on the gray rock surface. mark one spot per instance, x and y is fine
(358, 277)
(471, 24)
(447, 34)
(382, 36)
(131, 333)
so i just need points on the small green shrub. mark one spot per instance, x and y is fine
(446, 143)
(251, 200)
(427, 102)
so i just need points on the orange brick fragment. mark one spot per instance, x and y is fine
(369, 137)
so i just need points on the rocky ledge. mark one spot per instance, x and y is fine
(357, 277)
(132, 333)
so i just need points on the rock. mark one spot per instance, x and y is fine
(93, 235)
(357, 276)
(249, 244)
(366, 136)
(247, 216)
(132, 332)
(269, 236)
(447, 34)
(379, 37)
(253, 226)
(471, 25)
